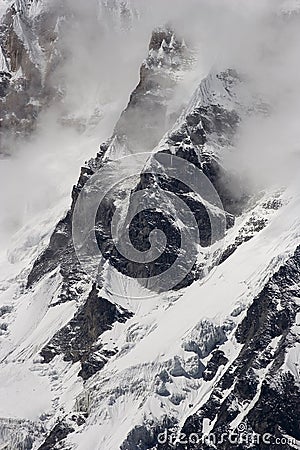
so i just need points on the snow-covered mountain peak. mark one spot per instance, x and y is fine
(118, 363)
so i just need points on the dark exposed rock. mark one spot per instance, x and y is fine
(251, 227)
(158, 36)
(277, 410)
(4, 83)
(76, 341)
(217, 359)
(247, 384)
(5, 309)
(61, 430)
(57, 434)
(24, 90)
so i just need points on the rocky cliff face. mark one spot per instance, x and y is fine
(216, 355)
(28, 57)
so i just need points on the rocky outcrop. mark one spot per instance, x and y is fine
(25, 88)
(78, 340)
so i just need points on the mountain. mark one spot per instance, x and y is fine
(107, 350)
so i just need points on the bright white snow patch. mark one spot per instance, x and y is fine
(3, 62)
(23, 393)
